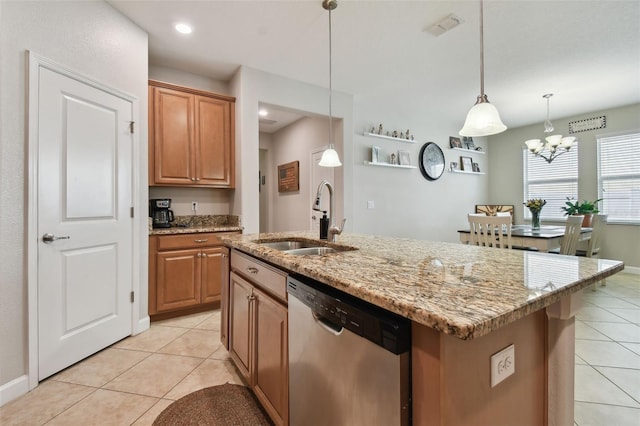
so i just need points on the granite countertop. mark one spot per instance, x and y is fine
(194, 224)
(193, 230)
(461, 290)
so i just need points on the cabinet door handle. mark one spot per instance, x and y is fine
(193, 179)
(197, 179)
(201, 241)
(252, 270)
(224, 255)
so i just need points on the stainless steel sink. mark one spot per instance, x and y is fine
(312, 251)
(303, 248)
(288, 245)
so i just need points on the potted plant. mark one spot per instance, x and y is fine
(586, 208)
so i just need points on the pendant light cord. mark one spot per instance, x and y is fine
(481, 51)
(330, 88)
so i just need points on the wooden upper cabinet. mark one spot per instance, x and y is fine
(191, 137)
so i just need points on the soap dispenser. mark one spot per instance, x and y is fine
(324, 226)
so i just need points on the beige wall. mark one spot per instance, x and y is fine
(290, 211)
(621, 242)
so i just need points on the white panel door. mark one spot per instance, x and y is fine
(84, 200)
(318, 174)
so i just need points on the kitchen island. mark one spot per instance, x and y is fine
(465, 303)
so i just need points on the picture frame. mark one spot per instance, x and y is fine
(466, 164)
(375, 154)
(476, 167)
(404, 158)
(289, 177)
(454, 142)
(467, 141)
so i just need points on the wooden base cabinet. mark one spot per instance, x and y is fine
(258, 332)
(191, 137)
(186, 271)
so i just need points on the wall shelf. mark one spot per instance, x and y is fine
(468, 150)
(397, 166)
(466, 173)
(391, 138)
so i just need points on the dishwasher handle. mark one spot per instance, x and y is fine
(332, 328)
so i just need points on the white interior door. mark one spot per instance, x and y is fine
(318, 174)
(84, 178)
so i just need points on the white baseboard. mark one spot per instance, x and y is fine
(14, 389)
(143, 325)
(631, 270)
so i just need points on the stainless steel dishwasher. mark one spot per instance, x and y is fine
(349, 361)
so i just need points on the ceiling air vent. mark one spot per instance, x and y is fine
(445, 25)
(267, 121)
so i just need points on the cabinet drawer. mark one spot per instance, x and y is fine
(265, 276)
(205, 239)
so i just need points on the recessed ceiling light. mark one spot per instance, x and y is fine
(263, 113)
(183, 28)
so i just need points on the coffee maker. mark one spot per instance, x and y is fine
(160, 213)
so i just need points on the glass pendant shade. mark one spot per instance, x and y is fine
(483, 119)
(330, 158)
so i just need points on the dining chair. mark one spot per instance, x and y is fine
(490, 231)
(593, 245)
(572, 231)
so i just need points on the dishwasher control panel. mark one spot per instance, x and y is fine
(340, 309)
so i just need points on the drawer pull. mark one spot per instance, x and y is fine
(251, 298)
(201, 241)
(252, 270)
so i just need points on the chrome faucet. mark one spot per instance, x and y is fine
(333, 228)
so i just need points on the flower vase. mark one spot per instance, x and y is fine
(535, 220)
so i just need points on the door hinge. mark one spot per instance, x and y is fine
(132, 297)
(131, 210)
(131, 126)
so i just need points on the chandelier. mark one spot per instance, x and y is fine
(554, 145)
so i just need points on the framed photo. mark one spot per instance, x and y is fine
(476, 167)
(404, 158)
(289, 177)
(466, 164)
(454, 142)
(375, 154)
(467, 141)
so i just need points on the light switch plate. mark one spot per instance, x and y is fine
(503, 364)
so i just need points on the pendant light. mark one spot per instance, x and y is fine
(554, 144)
(483, 118)
(330, 156)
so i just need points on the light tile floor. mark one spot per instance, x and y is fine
(131, 382)
(607, 381)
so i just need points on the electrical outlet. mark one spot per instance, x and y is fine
(503, 364)
(370, 204)
(194, 206)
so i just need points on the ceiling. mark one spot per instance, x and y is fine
(585, 52)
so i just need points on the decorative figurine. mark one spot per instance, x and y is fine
(373, 129)
(411, 137)
(393, 158)
(395, 134)
(407, 133)
(380, 129)
(401, 135)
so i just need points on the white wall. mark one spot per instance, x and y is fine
(290, 211)
(94, 40)
(621, 242)
(266, 190)
(405, 203)
(251, 87)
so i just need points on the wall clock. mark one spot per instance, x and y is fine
(431, 161)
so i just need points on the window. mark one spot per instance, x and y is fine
(619, 177)
(553, 181)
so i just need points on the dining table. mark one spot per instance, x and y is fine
(523, 236)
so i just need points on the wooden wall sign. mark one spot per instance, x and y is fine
(588, 124)
(289, 177)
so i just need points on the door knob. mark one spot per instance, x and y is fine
(49, 238)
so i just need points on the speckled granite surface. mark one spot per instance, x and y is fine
(457, 289)
(200, 223)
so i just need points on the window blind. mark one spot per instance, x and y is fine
(619, 177)
(553, 181)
